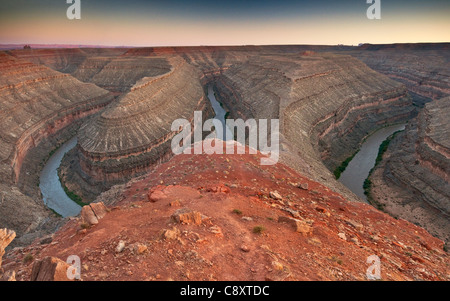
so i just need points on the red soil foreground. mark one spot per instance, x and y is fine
(222, 215)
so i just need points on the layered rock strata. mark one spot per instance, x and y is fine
(413, 183)
(326, 104)
(134, 134)
(36, 104)
(422, 68)
(119, 74)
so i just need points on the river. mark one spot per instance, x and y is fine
(220, 115)
(359, 167)
(52, 192)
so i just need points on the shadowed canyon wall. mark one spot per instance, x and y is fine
(413, 183)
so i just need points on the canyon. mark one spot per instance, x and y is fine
(120, 104)
(413, 181)
(40, 108)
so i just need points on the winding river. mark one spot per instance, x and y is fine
(353, 177)
(359, 167)
(52, 192)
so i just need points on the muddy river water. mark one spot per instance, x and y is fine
(359, 167)
(52, 192)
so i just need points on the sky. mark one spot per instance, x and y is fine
(226, 22)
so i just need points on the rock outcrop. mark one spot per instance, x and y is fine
(50, 269)
(6, 236)
(413, 183)
(92, 213)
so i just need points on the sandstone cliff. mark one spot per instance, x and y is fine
(119, 74)
(36, 103)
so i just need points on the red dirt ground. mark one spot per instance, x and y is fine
(233, 195)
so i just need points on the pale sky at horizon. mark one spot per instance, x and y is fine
(232, 22)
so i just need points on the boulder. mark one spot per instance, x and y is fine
(171, 234)
(275, 195)
(88, 216)
(303, 186)
(187, 216)
(6, 237)
(120, 246)
(299, 225)
(92, 213)
(99, 209)
(156, 196)
(50, 269)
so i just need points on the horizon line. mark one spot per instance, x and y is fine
(69, 45)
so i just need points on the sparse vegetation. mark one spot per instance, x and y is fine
(237, 211)
(73, 196)
(54, 212)
(367, 182)
(336, 259)
(28, 258)
(340, 169)
(258, 229)
(84, 226)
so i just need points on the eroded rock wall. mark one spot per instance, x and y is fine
(134, 134)
(422, 68)
(36, 103)
(413, 183)
(327, 103)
